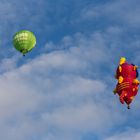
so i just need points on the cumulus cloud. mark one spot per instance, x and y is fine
(58, 94)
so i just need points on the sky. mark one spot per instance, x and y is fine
(62, 89)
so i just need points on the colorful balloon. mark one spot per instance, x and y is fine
(128, 84)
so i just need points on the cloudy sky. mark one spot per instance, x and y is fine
(62, 90)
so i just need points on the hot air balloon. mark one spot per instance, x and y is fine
(24, 41)
(127, 86)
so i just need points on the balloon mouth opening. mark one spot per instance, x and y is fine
(23, 51)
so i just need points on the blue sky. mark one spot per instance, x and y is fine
(62, 90)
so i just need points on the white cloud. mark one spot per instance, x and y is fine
(55, 93)
(120, 12)
(86, 117)
(131, 134)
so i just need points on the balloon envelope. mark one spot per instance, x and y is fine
(24, 41)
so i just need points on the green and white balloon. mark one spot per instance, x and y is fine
(24, 41)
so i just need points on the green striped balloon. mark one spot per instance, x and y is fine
(24, 41)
